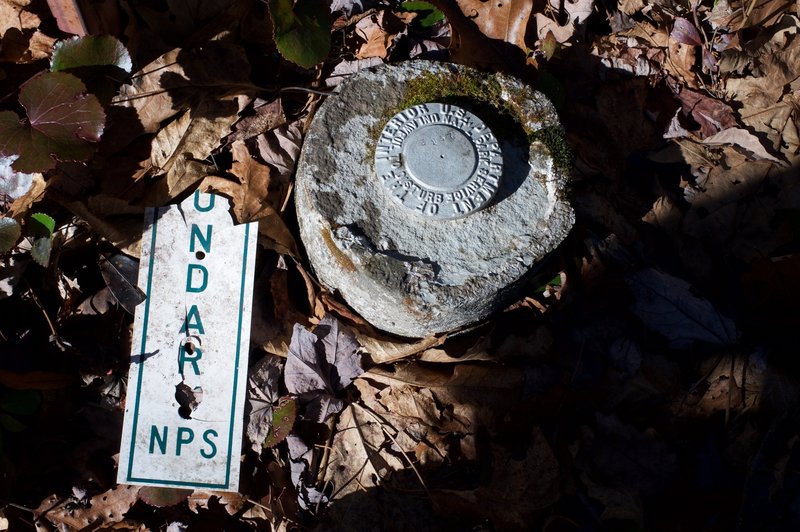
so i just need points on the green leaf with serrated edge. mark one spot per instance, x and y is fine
(63, 122)
(428, 13)
(9, 234)
(283, 417)
(302, 30)
(41, 225)
(90, 50)
(40, 251)
(161, 497)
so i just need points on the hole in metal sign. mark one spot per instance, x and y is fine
(200, 255)
(188, 398)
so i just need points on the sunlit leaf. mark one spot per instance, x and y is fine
(62, 123)
(428, 14)
(41, 225)
(283, 417)
(9, 234)
(13, 185)
(302, 30)
(91, 50)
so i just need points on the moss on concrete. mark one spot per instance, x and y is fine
(477, 90)
(554, 138)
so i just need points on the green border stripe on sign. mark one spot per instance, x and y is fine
(144, 341)
(130, 476)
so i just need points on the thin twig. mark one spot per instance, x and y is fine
(410, 463)
(272, 513)
(39, 304)
(306, 89)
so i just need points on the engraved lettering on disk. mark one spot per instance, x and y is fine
(438, 160)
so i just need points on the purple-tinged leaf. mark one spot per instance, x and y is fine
(88, 51)
(120, 273)
(666, 305)
(340, 351)
(300, 459)
(684, 32)
(262, 396)
(320, 365)
(62, 123)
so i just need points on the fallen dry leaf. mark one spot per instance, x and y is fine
(520, 486)
(166, 86)
(487, 35)
(379, 31)
(263, 393)
(320, 365)
(743, 139)
(200, 500)
(252, 198)
(359, 457)
(266, 115)
(258, 196)
(575, 14)
(710, 114)
(180, 149)
(68, 16)
(280, 148)
(667, 305)
(732, 207)
(735, 15)
(103, 509)
(505, 21)
(384, 350)
(420, 425)
(20, 38)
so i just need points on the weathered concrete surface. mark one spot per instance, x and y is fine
(406, 274)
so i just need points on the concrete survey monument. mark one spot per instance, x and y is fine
(427, 193)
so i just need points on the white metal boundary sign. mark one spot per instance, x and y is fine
(187, 381)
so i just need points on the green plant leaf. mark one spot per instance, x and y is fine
(302, 30)
(88, 51)
(9, 234)
(283, 417)
(41, 225)
(428, 13)
(40, 250)
(62, 123)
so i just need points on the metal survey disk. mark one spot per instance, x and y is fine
(438, 160)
